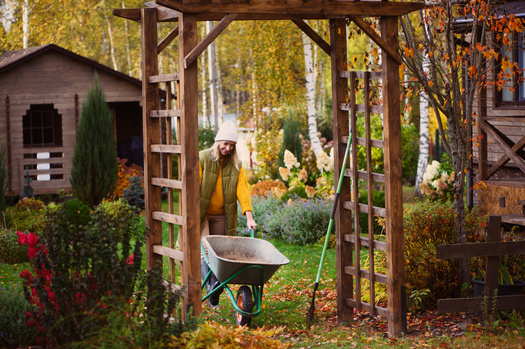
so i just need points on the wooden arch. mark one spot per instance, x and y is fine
(157, 145)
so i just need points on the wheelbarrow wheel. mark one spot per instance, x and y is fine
(245, 303)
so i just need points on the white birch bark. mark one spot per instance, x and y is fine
(213, 77)
(424, 145)
(310, 95)
(25, 24)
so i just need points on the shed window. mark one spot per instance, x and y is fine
(513, 94)
(42, 126)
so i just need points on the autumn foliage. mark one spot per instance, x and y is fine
(125, 172)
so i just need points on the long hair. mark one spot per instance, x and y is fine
(215, 154)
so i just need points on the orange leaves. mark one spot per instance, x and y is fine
(409, 52)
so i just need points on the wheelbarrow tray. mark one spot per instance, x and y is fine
(227, 255)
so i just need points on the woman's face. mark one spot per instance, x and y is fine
(225, 148)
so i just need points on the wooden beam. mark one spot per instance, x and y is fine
(208, 39)
(133, 14)
(312, 35)
(343, 221)
(311, 7)
(501, 141)
(397, 324)
(480, 249)
(376, 38)
(151, 133)
(189, 197)
(504, 159)
(168, 39)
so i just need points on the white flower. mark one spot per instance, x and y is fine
(290, 161)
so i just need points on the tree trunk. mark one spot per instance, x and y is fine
(213, 78)
(25, 23)
(424, 146)
(310, 95)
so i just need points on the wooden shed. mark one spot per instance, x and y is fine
(41, 94)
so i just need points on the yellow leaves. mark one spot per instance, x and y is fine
(506, 64)
(409, 52)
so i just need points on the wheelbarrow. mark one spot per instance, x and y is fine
(245, 261)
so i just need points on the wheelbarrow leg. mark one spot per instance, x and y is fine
(211, 284)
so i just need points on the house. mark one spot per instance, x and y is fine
(41, 94)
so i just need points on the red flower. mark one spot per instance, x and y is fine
(25, 274)
(79, 297)
(32, 239)
(130, 259)
(22, 237)
(31, 252)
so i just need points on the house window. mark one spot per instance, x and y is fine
(513, 94)
(42, 126)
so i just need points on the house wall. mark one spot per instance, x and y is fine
(58, 79)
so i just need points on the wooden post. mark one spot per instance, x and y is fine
(492, 262)
(343, 223)
(393, 181)
(191, 274)
(151, 133)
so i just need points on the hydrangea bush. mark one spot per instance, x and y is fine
(438, 182)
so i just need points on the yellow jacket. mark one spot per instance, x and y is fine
(217, 200)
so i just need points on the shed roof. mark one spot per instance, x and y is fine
(12, 59)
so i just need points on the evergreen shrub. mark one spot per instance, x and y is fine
(76, 212)
(134, 194)
(27, 215)
(428, 225)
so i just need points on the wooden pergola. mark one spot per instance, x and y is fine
(158, 145)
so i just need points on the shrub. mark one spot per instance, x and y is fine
(80, 270)
(27, 215)
(298, 221)
(124, 175)
(428, 225)
(95, 168)
(210, 335)
(76, 212)
(3, 180)
(117, 213)
(13, 329)
(265, 187)
(134, 194)
(263, 209)
(10, 251)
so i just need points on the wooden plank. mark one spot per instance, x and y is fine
(504, 159)
(379, 245)
(208, 39)
(355, 192)
(343, 223)
(166, 148)
(171, 113)
(393, 182)
(168, 252)
(363, 273)
(167, 217)
(311, 7)
(155, 79)
(518, 219)
(168, 39)
(367, 307)
(378, 211)
(502, 142)
(151, 134)
(375, 75)
(475, 304)
(312, 34)
(480, 249)
(376, 143)
(376, 109)
(167, 183)
(189, 198)
(376, 177)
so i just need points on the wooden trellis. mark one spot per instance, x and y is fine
(338, 12)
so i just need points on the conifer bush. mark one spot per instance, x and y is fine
(95, 167)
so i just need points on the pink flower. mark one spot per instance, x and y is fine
(22, 237)
(130, 259)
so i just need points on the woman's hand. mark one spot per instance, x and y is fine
(249, 221)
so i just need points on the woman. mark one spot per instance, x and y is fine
(222, 183)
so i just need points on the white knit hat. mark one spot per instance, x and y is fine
(227, 132)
